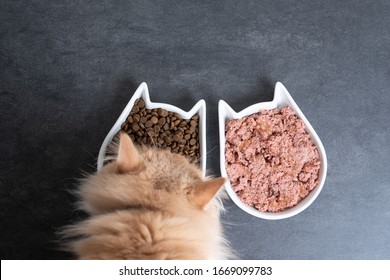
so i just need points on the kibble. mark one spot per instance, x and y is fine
(163, 129)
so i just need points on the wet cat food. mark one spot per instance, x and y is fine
(164, 129)
(271, 161)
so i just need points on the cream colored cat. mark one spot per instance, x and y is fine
(149, 204)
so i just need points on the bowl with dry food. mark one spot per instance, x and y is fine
(163, 125)
(271, 155)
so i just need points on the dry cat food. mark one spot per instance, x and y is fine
(271, 161)
(164, 129)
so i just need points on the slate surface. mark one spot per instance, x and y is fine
(68, 68)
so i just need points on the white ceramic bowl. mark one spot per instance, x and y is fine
(281, 98)
(143, 92)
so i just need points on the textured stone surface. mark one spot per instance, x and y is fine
(68, 68)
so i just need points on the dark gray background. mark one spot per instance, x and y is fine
(68, 69)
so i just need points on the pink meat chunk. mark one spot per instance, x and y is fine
(271, 162)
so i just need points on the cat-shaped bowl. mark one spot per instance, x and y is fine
(143, 92)
(281, 98)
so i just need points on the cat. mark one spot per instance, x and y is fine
(147, 204)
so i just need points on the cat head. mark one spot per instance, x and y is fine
(147, 177)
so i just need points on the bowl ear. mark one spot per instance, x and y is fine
(280, 94)
(141, 92)
(225, 112)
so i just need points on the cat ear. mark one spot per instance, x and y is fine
(205, 191)
(128, 156)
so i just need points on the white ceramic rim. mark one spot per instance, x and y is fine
(281, 98)
(143, 92)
